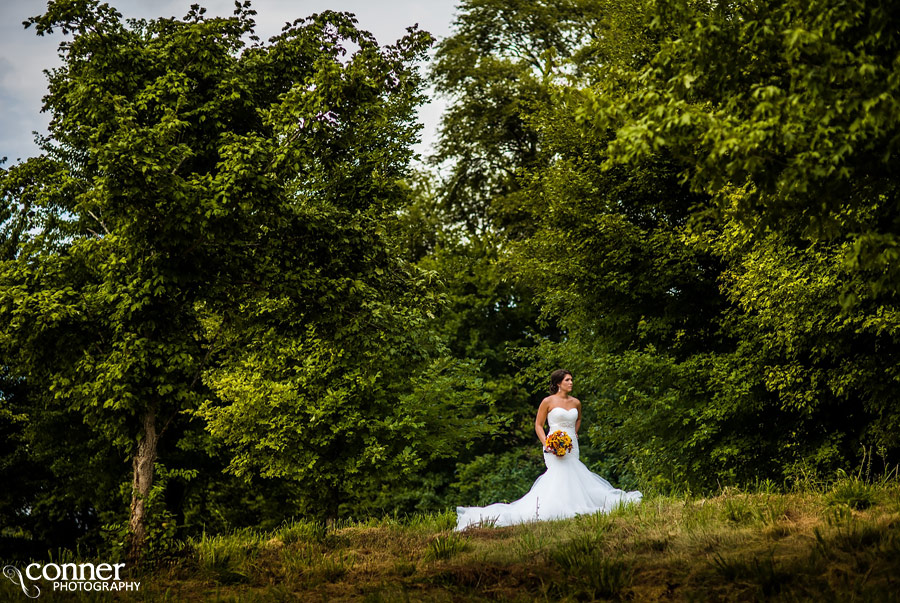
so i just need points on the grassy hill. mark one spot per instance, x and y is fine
(839, 545)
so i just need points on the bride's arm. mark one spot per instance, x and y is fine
(539, 422)
(578, 422)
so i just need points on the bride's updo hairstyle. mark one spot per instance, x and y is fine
(556, 378)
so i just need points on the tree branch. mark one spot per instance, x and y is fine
(99, 221)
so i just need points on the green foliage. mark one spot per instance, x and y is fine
(60, 489)
(486, 314)
(497, 63)
(209, 237)
(712, 308)
(304, 424)
(690, 206)
(500, 477)
(852, 492)
(793, 98)
(445, 546)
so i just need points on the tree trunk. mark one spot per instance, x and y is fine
(144, 461)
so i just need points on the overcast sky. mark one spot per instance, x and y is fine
(24, 55)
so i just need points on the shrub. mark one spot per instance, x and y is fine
(445, 546)
(853, 492)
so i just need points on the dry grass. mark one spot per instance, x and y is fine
(734, 547)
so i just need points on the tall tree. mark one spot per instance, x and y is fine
(779, 110)
(786, 114)
(495, 68)
(720, 195)
(196, 195)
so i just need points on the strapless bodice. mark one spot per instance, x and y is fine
(562, 418)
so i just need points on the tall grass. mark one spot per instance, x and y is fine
(227, 558)
(760, 543)
(445, 545)
(301, 531)
(590, 570)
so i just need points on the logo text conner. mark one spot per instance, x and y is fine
(70, 577)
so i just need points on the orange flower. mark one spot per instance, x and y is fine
(559, 442)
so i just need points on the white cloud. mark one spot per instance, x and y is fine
(24, 55)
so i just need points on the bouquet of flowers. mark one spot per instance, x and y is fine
(559, 443)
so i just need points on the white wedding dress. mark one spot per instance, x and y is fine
(567, 488)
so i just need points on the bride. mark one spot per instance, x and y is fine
(567, 488)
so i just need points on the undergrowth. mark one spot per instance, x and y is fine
(838, 541)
